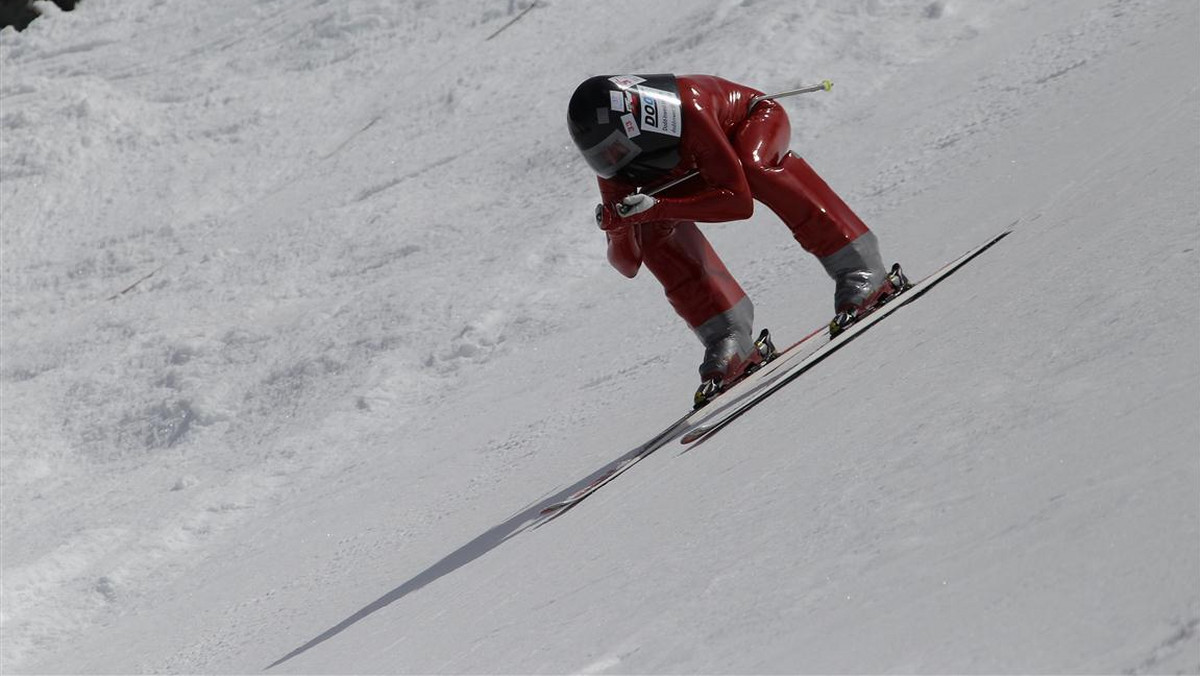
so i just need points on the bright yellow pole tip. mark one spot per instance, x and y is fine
(827, 84)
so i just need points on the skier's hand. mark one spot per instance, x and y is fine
(625, 212)
(635, 204)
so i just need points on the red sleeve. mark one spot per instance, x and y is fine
(625, 250)
(624, 244)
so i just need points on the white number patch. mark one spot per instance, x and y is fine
(631, 128)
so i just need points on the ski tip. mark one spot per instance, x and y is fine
(695, 433)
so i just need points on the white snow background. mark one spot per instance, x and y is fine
(304, 312)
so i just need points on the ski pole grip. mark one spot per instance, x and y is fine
(623, 210)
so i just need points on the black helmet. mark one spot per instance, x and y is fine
(627, 125)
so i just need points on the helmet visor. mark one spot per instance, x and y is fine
(612, 154)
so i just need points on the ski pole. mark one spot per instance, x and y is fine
(823, 86)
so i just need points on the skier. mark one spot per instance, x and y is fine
(641, 132)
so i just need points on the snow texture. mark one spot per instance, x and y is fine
(304, 316)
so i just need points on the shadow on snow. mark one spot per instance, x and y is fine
(528, 518)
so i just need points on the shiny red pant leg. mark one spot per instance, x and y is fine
(696, 282)
(819, 220)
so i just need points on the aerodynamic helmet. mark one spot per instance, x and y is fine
(627, 126)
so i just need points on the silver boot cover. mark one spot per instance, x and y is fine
(857, 270)
(727, 338)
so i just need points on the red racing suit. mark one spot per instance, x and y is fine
(741, 156)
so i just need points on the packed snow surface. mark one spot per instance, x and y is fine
(304, 315)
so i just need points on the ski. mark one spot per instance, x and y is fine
(747, 386)
(618, 467)
(798, 366)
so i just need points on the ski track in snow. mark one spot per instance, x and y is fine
(302, 303)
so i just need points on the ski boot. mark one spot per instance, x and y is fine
(714, 382)
(894, 283)
(862, 281)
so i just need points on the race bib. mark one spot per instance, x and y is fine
(660, 111)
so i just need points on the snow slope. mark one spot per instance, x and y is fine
(304, 315)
